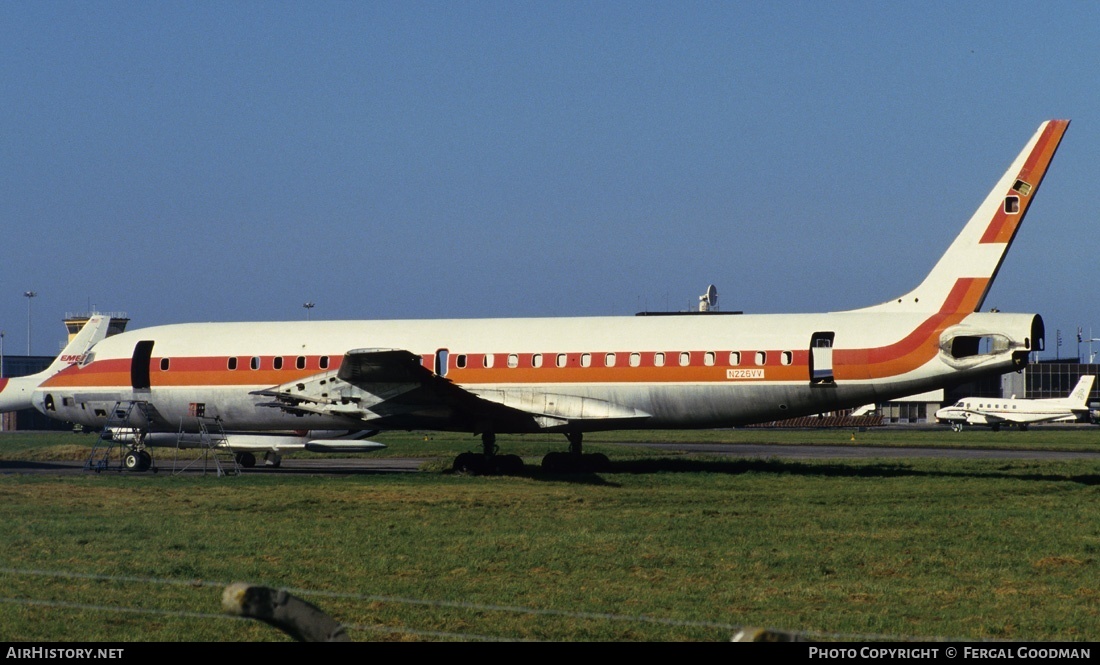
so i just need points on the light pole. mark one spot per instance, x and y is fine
(1, 354)
(29, 295)
(309, 305)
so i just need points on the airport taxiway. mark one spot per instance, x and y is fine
(386, 465)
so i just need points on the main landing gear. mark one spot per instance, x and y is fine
(489, 462)
(137, 460)
(575, 461)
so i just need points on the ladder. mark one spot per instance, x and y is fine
(213, 446)
(123, 439)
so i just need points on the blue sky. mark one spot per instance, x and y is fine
(217, 161)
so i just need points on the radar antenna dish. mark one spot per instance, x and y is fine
(709, 300)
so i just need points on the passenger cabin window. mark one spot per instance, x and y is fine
(786, 358)
(586, 360)
(563, 360)
(255, 362)
(735, 358)
(487, 360)
(536, 360)
(323, 362)
(609, 360)
(460, 361)
(708, 358)
(659, 359)
(513, 360)
(232, 363)
(685, 359)
(635, 359)
(300, 362)
(761, 357)
(277, 362)
(164, 362)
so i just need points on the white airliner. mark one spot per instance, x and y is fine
(994, 412)
(576, 375)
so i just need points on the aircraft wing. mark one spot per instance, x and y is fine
(391, 389)
(366, 366)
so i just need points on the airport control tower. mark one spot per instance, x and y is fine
(74, 322)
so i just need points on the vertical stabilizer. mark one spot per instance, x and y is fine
(961, 279)
(1079, 398)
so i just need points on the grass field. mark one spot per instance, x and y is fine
(664, 547)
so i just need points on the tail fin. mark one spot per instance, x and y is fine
(92, 332)
(15, 393)
(1079, 398)
(961, 279)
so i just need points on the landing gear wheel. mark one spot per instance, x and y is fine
(575, 460)
(247, 460)
(556, 462)
(596, 463)
(471, 463)
(146, 460)
(132, 461)
(509, 464)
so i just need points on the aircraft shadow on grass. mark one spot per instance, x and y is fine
(795, 468)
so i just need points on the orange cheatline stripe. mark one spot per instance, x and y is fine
(1003, 226)
(916, 348)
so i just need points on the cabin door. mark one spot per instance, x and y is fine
(821, 358)
(441, 361)
(139, 365)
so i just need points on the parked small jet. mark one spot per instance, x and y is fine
(994, 412)
(577, 374)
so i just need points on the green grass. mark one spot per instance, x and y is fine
(663, 547)
(46, 446)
